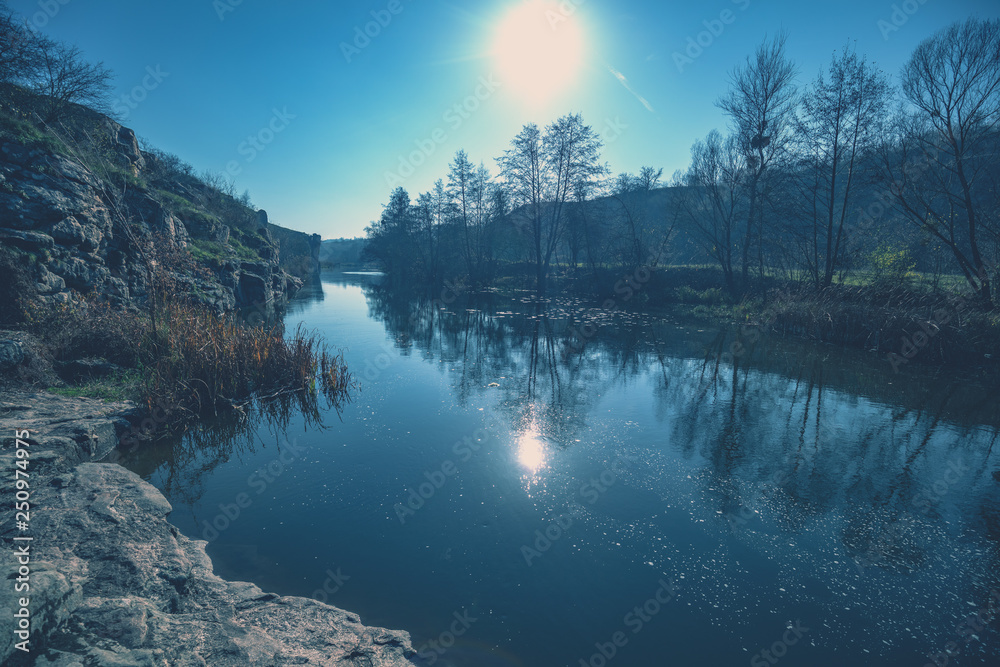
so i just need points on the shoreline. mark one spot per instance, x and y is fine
(112, 580)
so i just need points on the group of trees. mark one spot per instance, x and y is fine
(49, 75)
(552, 203)
(451, 230)
(813, 181)
(808, 183)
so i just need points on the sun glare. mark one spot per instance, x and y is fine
(538, 50)
(531, 451)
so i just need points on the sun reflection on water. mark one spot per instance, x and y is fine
(531, 451)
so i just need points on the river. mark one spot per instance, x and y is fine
(514, 494)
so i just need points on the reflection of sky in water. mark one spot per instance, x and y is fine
(783, 490)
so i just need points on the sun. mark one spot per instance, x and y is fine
(538, 50)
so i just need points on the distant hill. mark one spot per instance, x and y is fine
(342, 253)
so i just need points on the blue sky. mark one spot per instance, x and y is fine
(329, 123)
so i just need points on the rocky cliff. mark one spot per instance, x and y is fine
(80, 202)
(111, 582)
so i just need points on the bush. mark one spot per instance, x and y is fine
(198, 363)
(891, 267)
(17, 287)
(88, 327)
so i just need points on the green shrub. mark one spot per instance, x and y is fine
(891, 267)
(19, 129)
(121, 386)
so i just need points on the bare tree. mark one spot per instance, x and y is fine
(713, 199)
(66, 78)
(649, 178)
(633, 196)
(544, 173)
(482, 222)
(459, 193)
(18, 48)
(938, 162)
(842, 116)
(760, 103)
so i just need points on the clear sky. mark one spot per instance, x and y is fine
(312, 115)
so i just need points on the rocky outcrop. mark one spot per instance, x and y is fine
(113, 583)
(69, 214)
(299, 253)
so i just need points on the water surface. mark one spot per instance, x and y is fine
(515, 494)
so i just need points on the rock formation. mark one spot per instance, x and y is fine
(113, 583)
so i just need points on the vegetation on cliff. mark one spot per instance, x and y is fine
(138, 277)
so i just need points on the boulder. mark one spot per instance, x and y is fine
(48, 282)
(253, 289)
(31, 241)
(11, 354)
(80, 274)
(68, 232)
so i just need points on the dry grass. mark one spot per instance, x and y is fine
(198, 363)
(205, 363)
(957, 329)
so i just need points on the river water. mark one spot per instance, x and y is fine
(515, 494)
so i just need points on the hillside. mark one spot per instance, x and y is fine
(342, 253)
(88, 211)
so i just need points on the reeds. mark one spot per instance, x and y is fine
(197, 363)
(206, 363)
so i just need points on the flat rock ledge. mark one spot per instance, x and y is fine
(114, 583)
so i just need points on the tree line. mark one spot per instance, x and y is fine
(849, 172)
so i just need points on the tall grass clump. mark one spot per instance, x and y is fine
(204, 363)
(186, 361)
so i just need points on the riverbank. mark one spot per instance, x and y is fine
(112, 582)
(901, 328)
(904, 323)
